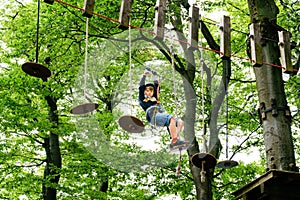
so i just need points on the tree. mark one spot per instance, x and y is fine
(275, 112)
(28, 128)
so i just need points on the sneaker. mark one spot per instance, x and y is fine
(178, 144)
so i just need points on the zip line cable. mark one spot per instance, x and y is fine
(181, 41)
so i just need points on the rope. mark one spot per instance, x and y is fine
(130, 67)
(205, 149)
(173, 68)
(174, 80)
(180, 41)
(178, 168)
(226, 101)
(86, 56)
(175, 99)
(37, 33)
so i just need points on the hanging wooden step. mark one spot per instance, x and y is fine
(285, 51)
(255, 45)
(49, 1)
(88, 9)
(206, 159)
(36, 70)
(160, 19)
(124, 17)
(227, 164)
(193, 28)
(131, 124)
(84, 108)
(225, 44)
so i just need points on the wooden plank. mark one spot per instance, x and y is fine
(242, 192)
(225, 44)
(88, 8)
(285, 51)
(124, 16)
(255, 44)
(265, 185)
(160, 18)
(49, 1)
(193, 28)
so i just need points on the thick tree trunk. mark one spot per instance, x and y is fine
(270, 86)
(53, 161)
(203, 189)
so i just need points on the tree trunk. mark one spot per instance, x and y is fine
(274, 112)
(53, 160)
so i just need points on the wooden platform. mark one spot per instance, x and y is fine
(273, 185)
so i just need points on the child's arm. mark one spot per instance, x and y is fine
(142, 85)
(156, 85)
(143, 78)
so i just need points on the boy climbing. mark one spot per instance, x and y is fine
(155, 114)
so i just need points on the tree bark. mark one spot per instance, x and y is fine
(53, 155)
(274, 112)
(203, 189)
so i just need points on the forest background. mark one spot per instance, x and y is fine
(48, 153)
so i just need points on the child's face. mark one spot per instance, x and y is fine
(148, 91)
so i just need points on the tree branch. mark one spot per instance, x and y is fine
(209, 38)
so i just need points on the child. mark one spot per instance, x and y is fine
(155, 114)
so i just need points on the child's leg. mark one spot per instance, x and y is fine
(173, 129)
(180, 125)
(164, 119)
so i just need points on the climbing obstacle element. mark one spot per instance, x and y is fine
(131, 124)
(285, 51)
(255, 45)
(204, 161)
(84, 108)
(273, 185)
(227, 164)
(160, 18)
(124, 17)
(36, 70)
(193, 28)
(225, 44)
(178, 149)
(88, 8)
(49, 1)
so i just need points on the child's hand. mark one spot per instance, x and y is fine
(147, 71)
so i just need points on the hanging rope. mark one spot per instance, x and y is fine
(37, 33)
(178, 168)
(173, 67)
(86, 57)
(203, 172)
(226, 101)
(205, 149)
(175, 99)
(130, 66)
(174, 80)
